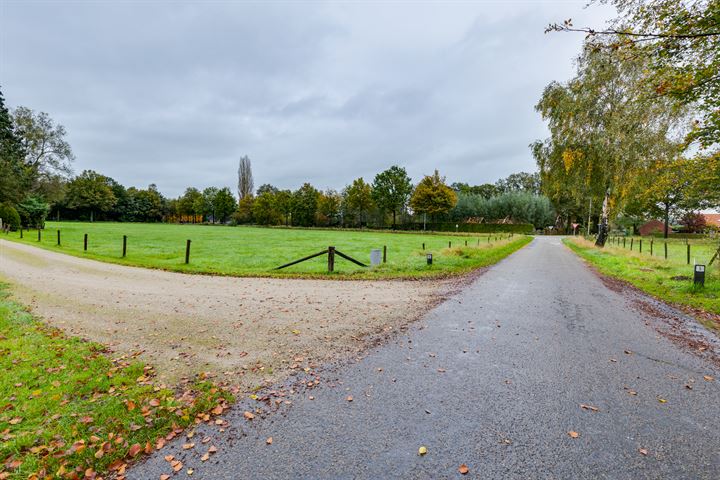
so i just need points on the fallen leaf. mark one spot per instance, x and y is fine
(205, 457)
(269, 441)
(154, 402)
(217, 410)
(662, 400)
(15, 421)
(573, 434)
(463, 469)
(164, 476)
(169, 458)
(188, 446)
(422, 451)
(349, 398)
(643, 451)
(212, 449)
(130, 405)
(589, 407)
(708, 378)
(190, 471)
(248, 415)
(176, 465)
(135, 450)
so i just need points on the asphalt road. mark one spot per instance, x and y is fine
(493, 378)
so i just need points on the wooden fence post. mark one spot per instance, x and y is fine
(665, 250)
(187, 252)
(384, 253)
(688, 253)
(124, 246)
(331, 259)
(21, 234)
(85, 243)
(632, 240)
(58, 238)
(450, 244)
(39, 234)
(641, 245)
(652, 241)
(423, 246)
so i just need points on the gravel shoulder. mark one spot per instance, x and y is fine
(249, 331)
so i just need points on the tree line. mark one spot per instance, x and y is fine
(634, 134)
(37, 182)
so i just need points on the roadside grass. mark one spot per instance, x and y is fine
(68, 410)
(669, 280)
(256, 251)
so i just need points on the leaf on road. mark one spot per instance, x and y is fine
(573, 434)
(589, 407)
(188, 446)
(205, 457)
(463, 469)
(349, 398)
(164, 476)
(643, 451)
(422, 451)
(708, 378)
(212, 449)
(248, 415)
(269, 441)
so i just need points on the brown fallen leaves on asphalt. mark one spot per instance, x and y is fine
(589, 407)
(463, 469)
(708, 378)
(269, 441)
(573, 434)
(349, 398)
(643, 451)
(248, 415)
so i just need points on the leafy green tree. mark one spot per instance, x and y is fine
(14, 179)
(265, 209)
(357, 200)
(284, 203)
(33, 211)
(224, 204)
(208, 203)
(329, 204)
(432, 196)
(46, 150)
(9, 216)
(190, 204)
(267, 188)
(680, 40)
(604, 133)
(519, 182)
(91, 192)
(244, 212)
(391, 190)
(305, 205)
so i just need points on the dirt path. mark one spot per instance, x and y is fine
(253, 331)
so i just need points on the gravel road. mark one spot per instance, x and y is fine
(495, 378)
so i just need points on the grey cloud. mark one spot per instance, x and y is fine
(174, 93)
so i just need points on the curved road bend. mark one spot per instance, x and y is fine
(494, 378)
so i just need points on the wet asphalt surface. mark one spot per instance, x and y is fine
(493, 378)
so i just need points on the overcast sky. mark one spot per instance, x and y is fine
(173, 93)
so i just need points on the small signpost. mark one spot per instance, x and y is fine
(699, 277)
(429, 258)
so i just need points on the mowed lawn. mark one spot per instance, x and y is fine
(256, 251)
(669, 280)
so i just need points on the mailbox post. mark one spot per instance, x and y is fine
(699, 277)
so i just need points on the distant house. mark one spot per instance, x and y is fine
(653, 226)
(712, 219)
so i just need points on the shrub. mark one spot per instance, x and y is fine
(9, 216)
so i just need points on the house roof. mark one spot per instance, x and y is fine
(712, 218)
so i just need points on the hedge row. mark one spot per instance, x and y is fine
(525, 228)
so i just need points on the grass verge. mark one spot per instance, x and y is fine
(668, 280)
(256, 251)
(68, 410)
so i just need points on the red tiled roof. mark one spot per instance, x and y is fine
(712, 218)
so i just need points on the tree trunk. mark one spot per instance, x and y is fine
(393, 220)
(92, 216)
(603, 224)
(667, 219)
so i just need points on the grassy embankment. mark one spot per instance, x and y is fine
(251, 251)
(669, 280)
(70, 410)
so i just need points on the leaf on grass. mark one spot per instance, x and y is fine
(15, 421)
(130, 405)
(217, 410)
(135, 450)
(154, 402)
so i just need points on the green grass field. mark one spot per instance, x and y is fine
(252, 251)
(68, 409)
(669, 280)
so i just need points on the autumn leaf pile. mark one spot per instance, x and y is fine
(69, 410)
